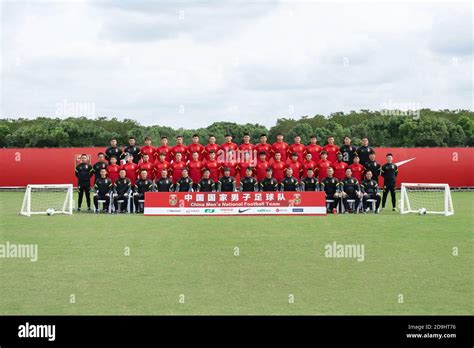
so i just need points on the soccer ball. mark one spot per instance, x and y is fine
(50, 211)
(422, 211)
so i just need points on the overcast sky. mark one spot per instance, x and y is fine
(188, 64)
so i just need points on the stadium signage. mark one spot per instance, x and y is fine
(235, 203)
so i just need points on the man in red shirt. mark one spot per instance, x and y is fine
(164, 148)
(244, 164)
(309, 163)
(340, 167)
(160, 164)
(323, 165)
(262, 166)
(263, 146)
(195, 167)
(295, 165)
(281, 147)
(297, 148)
(131, 169)
(179, 147)
(148, 149)
(226, 147)
(230, 163)
(246, 146)
(113, 169)
(314, 149)
(211, 147)
(331, 149)
(213, 166)
(278, 167)
(147, 165)
(195, 146)
(176, 167)
(358, 169)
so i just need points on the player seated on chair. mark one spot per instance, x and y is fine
(206, 184)
(289, 182)
(309, 182)
(370, 190)
(142, 185)
(248, 183)
(122, 187)
(350, 190)
(164, 184)
(330, 186)
(102, 189)
(185, 183)
(269, 183)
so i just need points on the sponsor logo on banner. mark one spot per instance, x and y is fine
(297, 210)
(243, 210)
(265, 210)
(209, 211)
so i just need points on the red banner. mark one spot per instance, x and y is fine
(453, 166)
(235, 203)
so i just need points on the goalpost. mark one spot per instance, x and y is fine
(47, 199)
(426, 198)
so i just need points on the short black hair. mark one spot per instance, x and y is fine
(100, 153)
(83, 155)
(294, 154)
(227, 135)
(226, 169)
(261, 153)
(195, 136)
(312, 136)
(269, 170)
(179, 136)
(147, 138)
(113, 138)
(211, 136)
(246, 134)
(389, 154)
(162, 154)
(143, 170)
(263, 135)
(164, 137)
(324, 152)
(130, 138)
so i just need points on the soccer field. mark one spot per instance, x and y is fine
(280, 259)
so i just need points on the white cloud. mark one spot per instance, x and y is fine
(233, 61)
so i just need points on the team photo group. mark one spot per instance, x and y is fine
(348, 175)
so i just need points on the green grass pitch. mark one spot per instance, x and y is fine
(280, 258)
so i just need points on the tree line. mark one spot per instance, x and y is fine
(426, 128)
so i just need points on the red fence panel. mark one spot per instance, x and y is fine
(453, 166)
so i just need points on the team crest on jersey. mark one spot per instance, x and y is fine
(173, 200)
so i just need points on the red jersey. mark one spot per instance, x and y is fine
(149, 167)
(176, 169)
(261, 169)
(299, 149)
(278, 168)
(195, 170)
(340, 169)
(196, 148)
(148, 150)
(297, 168)
(263, 148)
(323, 166)
(113, 172)
(131, 171)
(211, 147)
(308, 164)
(332, 151)
(179, 148)
(229, 146)
(213, 167)
(315, 151)
(243, 169)
(231, 165)
(159, 166)
(357, 171)
(163, 149)
(247, 148)
(281, 147)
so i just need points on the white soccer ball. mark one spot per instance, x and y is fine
(422, 211)
(50, 211)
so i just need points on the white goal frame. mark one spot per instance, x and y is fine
(406, 208)
(67, 205)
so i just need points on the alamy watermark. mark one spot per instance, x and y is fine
(24, 251)
(74, 108)
(392, 108)
(335, 250)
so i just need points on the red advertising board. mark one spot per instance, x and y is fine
(235, 203)
(453, 166)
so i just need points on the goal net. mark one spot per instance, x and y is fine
(426, 198)
(44, 199)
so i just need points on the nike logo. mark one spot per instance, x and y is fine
(243, 210)
(405, 161)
